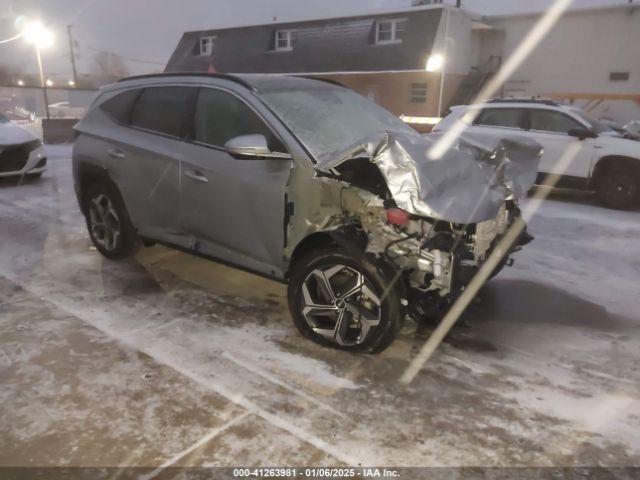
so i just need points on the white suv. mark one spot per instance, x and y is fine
(606, 163)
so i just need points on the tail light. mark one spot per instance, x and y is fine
(397, 217)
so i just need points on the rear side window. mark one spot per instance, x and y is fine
(501, 117)
(552, 121)
(220, 116)
(119, 107)
(163, 110)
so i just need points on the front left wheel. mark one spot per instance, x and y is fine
(345, 302)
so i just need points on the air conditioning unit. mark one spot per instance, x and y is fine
(416, 3)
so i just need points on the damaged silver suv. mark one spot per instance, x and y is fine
(300, 180)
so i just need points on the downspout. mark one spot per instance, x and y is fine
(444, 64)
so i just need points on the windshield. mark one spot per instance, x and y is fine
(329, 119)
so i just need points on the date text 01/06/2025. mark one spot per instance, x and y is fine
(315, 473)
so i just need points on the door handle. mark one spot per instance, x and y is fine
(197, 176)
(113, 153)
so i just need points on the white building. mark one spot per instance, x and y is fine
(591, 56)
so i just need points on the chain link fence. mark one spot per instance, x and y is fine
(26, 105)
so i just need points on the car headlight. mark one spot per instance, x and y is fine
(33, 144)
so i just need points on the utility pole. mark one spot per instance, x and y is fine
(43, 82)
(73, 56)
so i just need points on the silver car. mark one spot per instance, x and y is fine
(300, 180)
(21, 152)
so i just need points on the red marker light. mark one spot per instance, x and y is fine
(398, 217)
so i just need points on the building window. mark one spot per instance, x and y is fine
(284, 40)
(206, 46)
(619, 76)
(418, 92)
(390, 31)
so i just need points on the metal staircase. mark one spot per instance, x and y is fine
(475, 81)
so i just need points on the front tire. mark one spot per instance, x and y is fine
(344, 302)
(108, 223)
(618, 187)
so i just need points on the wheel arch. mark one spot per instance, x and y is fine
(609, 161)
(89, 174)
(348, 238)
(314, 241)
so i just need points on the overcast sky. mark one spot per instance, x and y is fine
(150, 29)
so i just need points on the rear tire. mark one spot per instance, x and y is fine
(339, 300)
(617, 186)
(108, 222)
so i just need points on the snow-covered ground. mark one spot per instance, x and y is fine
(544, 370)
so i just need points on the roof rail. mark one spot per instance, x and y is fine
(222, 76)
(321, 79)
(542, 101)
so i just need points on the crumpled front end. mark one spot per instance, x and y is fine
(438, 220)
(468, 184)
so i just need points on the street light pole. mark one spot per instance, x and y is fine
(37, 35)
(43, 82)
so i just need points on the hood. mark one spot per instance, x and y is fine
(617, 145)
(12, 134)
(469, 184)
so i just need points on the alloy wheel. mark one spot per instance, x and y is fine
(619, 186)
(104, 222)
(340, 304)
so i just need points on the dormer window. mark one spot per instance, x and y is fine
(390, 31)
(284, 40)
(206, 46)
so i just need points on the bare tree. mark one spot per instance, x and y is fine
(110, 65)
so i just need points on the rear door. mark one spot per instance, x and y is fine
(145, 163)
(233, 208)
(550, 128)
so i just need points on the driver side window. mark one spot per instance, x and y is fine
(220, 116)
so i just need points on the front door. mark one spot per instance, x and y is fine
(550, 128)
(233, 208)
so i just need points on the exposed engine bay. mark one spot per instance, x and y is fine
(428, 250)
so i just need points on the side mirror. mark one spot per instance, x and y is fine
(582, 133)
(252, 147)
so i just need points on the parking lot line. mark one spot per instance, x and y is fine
(205, 439)
(270, 378)
(275, 420)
